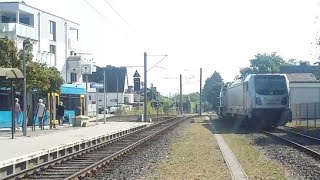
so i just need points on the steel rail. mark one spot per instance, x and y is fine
(88, 171)
(298, 146)
(46, 165)
(300, 134)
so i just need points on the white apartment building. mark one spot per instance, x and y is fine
(54, 38)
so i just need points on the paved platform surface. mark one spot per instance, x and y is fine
(6, 132)
(46, 139)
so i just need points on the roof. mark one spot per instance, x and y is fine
(23, 3)
(113, 74)
(299, 69)
(72, 89)
(10, 74)
(302, 77)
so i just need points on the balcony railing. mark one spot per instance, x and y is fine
(20, 30)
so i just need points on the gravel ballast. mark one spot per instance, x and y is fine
(181, 153)
(293, 163)
(140, 162)
(297, 164)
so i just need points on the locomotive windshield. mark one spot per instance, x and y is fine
(270, 85)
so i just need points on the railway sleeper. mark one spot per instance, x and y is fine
(82, 160)
(66, 167)
(61, 170)
(47, 177)
(98, 156)
(56, 173)
(79, 163)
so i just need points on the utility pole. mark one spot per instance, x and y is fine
(180, 94)
(117, 93)
(145, 87)
(25, 108)
(152, 96)
(200, 111)
(104, 96)
(87, 95)
(97, 105)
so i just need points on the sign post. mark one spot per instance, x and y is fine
(86, 69)
(97, 86)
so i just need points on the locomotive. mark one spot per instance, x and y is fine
(258, 100)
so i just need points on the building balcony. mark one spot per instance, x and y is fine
(21, 30)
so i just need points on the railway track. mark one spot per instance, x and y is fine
(307, 144)
(86, 162)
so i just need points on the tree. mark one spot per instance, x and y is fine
(8, 54)
(293, 62)
(211, 89)
(55, 80)
(40, 77)
(167, 104)
(263, 64)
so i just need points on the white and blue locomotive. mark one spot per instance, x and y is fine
(259, 99)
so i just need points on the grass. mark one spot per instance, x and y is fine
(253, 161)
(195, 155)
(304, 124)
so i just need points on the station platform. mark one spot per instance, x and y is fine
(39, 147)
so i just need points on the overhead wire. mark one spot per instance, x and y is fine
(97, 11)
(116, 12)
(120, 15)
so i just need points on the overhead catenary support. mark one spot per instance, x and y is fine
(180, 106)
(25, 115)
(145, 87)
(146, 83)
(200, 108)
(104, 96)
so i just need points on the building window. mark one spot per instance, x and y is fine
(52, 30)
(126, 100)
(52, 50)
(73, 77)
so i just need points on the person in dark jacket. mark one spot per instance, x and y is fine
(60, 113)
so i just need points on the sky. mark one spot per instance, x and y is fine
(214, 35)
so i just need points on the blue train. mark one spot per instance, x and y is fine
(71, 95)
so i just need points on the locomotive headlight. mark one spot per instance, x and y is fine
(258, 101)
(284, 101)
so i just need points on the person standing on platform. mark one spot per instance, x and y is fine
(40, 113)
(60, 112)
(17, 113)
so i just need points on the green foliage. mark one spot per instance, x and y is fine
(37, 77)
(56, 81)
(263, 64)
(40, 77)
(212, 89)
(293, 62)
(167, 104)
(8, 54)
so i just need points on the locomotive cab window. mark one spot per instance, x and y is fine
(270, 85)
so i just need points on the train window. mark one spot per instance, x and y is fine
(269, 85)
(4, 99)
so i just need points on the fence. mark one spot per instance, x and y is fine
(306, 114)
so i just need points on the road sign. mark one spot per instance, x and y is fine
(97, 85)
(86, 69)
